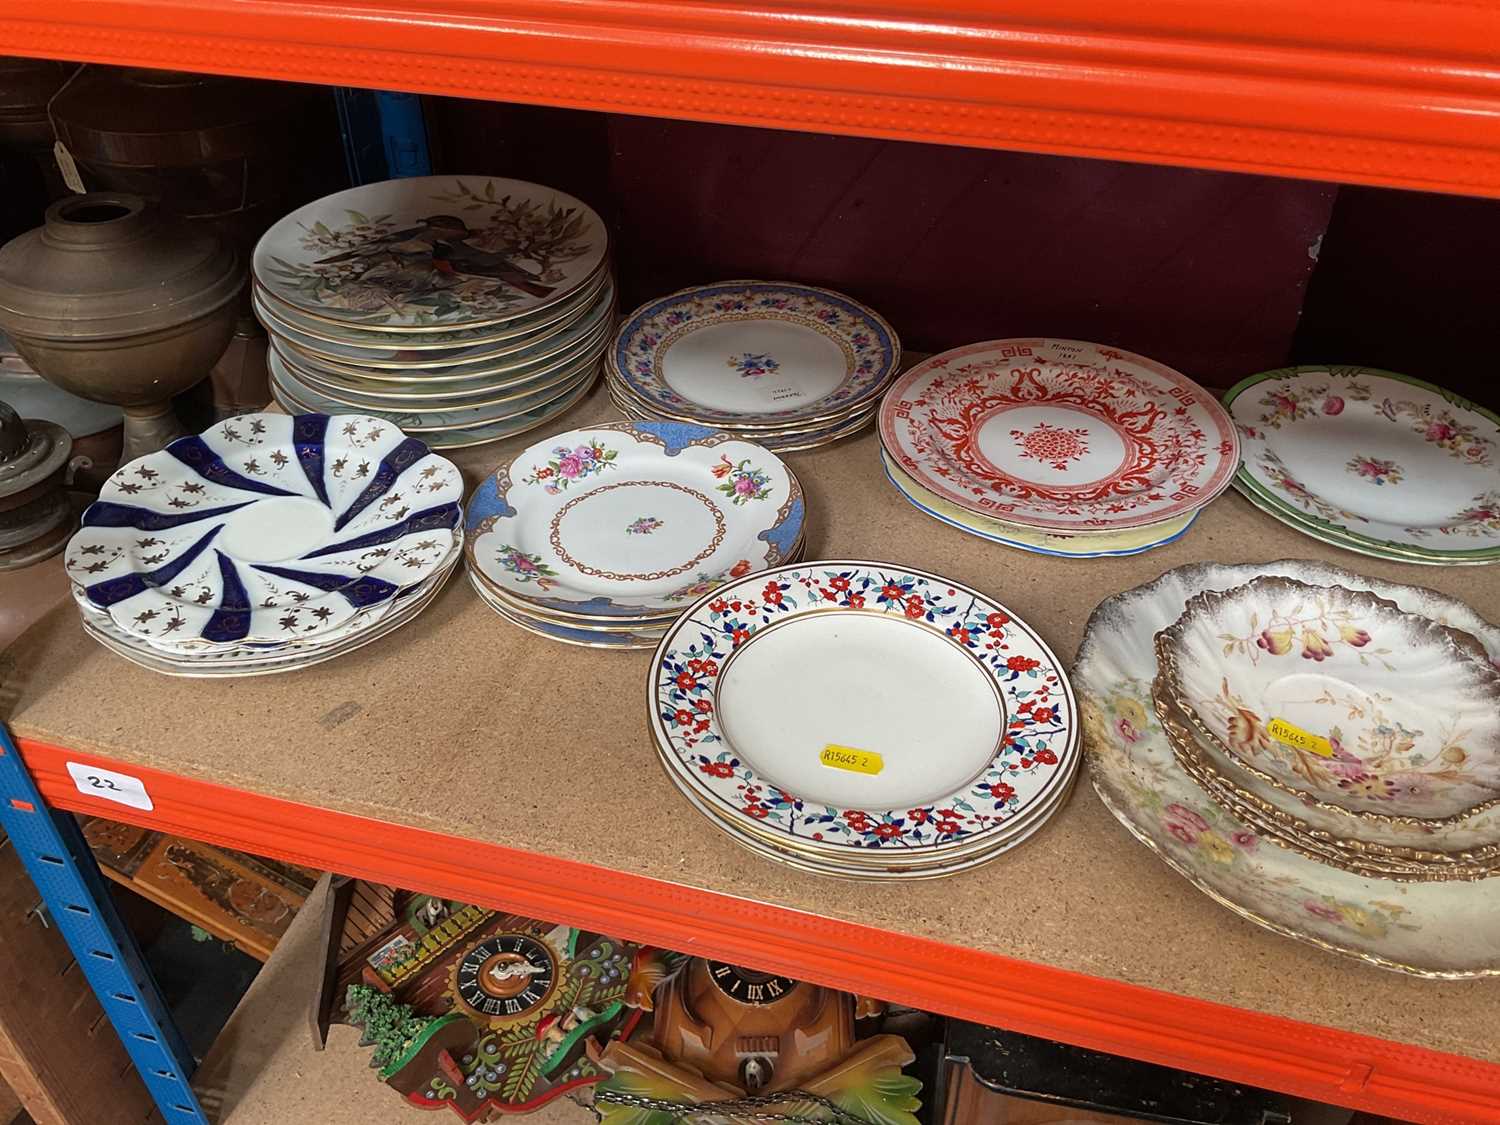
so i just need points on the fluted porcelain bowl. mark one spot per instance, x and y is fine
(1337, 696)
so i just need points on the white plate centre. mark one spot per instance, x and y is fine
(637, 530)
(1379, 470)
(754, 366)
(878, 685)
(1054, 446)
(276, 530)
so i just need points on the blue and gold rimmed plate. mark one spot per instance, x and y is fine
(754, 355)
(631, 519)
(266, 527)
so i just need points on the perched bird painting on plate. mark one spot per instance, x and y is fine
(500, 251)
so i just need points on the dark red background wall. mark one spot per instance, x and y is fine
(1219, 274)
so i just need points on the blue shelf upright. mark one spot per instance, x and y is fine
(58, 859)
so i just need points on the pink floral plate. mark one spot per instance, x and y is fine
(1059, 435)
(1338, 696)
(858, 706)
(1439, 929)
(1372, 460)
(631, 519)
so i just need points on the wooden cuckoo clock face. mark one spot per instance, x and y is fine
(506, 977)
(748, 986)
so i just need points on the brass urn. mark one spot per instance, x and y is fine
(115, 302)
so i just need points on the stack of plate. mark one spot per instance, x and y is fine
(601, 536)
(1316, 750)
(267, 543)
(786, 366)
(863, 720)
(1373, 462)
(463, 309)
(1056, 446)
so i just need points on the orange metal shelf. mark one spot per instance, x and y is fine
(1395, 92)
(1255, 1048)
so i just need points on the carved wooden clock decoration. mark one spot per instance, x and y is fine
(506, 978)
(721, 1032)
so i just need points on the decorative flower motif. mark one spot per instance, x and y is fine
(1323, 911)
(568, 465)
(741, 482)
(740, 569)
(1333, 406)
(1052, 444)
(644, 525)
(1314, 646)
(526, 568)
(1276, 641)
(752, 365)
(1218, 849)
(1352, 635)
(1375, 470)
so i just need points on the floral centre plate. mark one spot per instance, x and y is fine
(432, 251)
(264, 527)
(762, 351)
(850, 630)
(1390, 461)
(1059, 435)
(631, 518)
(1340, 696)
(1441, 929)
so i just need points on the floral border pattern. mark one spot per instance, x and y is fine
(870, 346)
(1038, 748)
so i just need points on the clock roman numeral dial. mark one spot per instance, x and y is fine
(748, 986)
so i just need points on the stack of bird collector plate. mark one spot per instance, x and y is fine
(463, 309)
(1372, 461)
(1056, 446)
(786, 366)
(602, 536)
(863, 720)
(268, 543)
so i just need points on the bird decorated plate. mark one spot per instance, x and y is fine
(631, 518)
(1366, 458)
(432, 252)
(860, 706)
(415, 417)
(1059, 435)
(755, 352)
(403, 365)
(266, 526)
(469, 433)
(359, 344)
(1442, 929)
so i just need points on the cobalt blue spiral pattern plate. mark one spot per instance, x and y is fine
(266, 527)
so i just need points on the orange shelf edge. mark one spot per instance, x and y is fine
(1254, 1048)
(1402, 93)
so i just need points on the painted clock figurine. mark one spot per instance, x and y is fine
(505, 977)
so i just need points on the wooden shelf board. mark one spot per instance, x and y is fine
(465, 757)
(1401, 93)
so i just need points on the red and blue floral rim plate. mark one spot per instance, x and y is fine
(781, 694)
